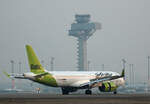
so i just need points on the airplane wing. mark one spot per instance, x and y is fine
(99, 80)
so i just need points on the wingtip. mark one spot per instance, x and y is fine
(6, 74)
(123, 73)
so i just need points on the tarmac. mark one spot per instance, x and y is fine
(26, 98)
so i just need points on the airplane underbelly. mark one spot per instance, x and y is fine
(64, 82)
(69, 82)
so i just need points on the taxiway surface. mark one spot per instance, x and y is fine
(74, 99)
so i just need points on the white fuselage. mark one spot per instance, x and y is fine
(76, 78)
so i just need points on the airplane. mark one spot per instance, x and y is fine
(70, 81)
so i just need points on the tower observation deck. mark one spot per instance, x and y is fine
(82, 29)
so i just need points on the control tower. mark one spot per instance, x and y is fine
(82, 29)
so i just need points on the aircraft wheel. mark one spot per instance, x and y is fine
(115, 92)
(88, 92)
(64, 91)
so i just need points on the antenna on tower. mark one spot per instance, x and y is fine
(83, 29)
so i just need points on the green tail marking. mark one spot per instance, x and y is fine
(34, 63)
(36, 68)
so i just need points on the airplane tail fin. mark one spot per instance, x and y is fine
(34, 63)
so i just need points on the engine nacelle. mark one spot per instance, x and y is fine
(108, 87)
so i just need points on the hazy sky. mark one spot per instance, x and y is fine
(44, 24)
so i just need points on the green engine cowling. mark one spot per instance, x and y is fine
(108, 87)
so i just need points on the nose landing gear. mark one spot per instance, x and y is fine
(64, 91)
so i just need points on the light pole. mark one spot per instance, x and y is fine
(103, 66)
(148, 74)
(52, 63)
(130, 66)
(42, 62)
(19, 67)
(12, 66)
(12, 71)
(88, 69)
(148, 67)
(132, 74)
(20, 73)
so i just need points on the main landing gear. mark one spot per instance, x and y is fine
(64, 91)
(88, 92)
(115, 92)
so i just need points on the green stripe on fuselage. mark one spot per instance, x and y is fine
(47, 79)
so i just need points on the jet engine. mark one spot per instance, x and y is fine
(108, 87)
